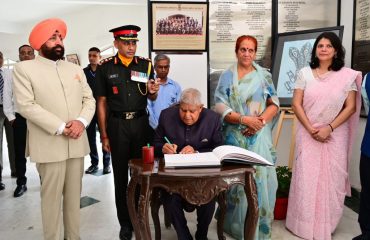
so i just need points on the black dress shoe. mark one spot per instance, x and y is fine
(92, 169)
(2, 186)
(20, 190)
(106, 170)
(198, 237)
(125, 233)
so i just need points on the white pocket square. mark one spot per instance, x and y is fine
(204, 140)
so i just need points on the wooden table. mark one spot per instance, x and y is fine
(197, 186)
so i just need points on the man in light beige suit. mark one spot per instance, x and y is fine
(54, 97)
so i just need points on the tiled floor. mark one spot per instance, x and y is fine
(20, 218)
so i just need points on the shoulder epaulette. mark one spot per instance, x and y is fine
(143, 58)
(105, 60)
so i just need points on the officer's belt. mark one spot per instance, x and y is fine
(128, 115)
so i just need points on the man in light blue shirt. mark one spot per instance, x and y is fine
(169, 90)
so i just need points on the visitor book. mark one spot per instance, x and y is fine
(219, 155)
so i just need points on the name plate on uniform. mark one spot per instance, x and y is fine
(139, 76)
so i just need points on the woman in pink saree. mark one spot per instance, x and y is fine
(326, 102)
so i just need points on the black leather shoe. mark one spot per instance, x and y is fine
(198, 237)
(125, 233)
(92, 169)
(106, 170)
(2, 186)
(20, 190)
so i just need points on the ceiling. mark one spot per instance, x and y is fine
(18, 17)
(14, 14)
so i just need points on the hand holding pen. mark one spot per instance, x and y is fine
(169, 148)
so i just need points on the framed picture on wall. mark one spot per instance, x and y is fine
(73, 58)
(361, 40)
(361, 36)
(299, 15)
(292, 52)
(178, 26)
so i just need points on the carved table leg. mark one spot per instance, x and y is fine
(221, 199)
(250, 223)
(131, 204)
(143, 208)
(155, 203)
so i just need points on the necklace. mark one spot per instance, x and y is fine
(322, 76)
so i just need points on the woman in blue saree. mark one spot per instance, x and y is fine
(247, 101)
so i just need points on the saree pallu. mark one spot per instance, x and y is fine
(320, 173)
(248, 96)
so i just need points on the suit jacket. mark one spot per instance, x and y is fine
(48, 94)
(204, 135)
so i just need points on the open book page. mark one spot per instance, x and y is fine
(192, 170)
(191, 160)
(237, 154)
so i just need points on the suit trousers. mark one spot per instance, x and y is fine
(364, 214)
(61, 184)
(174, 205)
(20, 135)
(91, 134)
(126, 138)
(9, 137)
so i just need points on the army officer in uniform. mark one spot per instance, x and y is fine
(124, 82)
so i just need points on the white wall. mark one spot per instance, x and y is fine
(90, 28)
(190, 70)
(346, 19)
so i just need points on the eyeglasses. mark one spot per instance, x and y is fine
(163, 67)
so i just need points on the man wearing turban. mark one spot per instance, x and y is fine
(54, 97)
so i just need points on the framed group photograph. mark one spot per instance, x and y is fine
(292, 52)
(178, 26)
(73, 58)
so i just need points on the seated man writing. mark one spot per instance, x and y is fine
(190, 128)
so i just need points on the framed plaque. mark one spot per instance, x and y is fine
(361, 36)
(230, 19)
(293, 52)
(227, 21)
(361, 40)
(298, 15)
(178, 26)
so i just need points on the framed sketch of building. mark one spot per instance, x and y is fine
(178, 26)
(292, 52)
